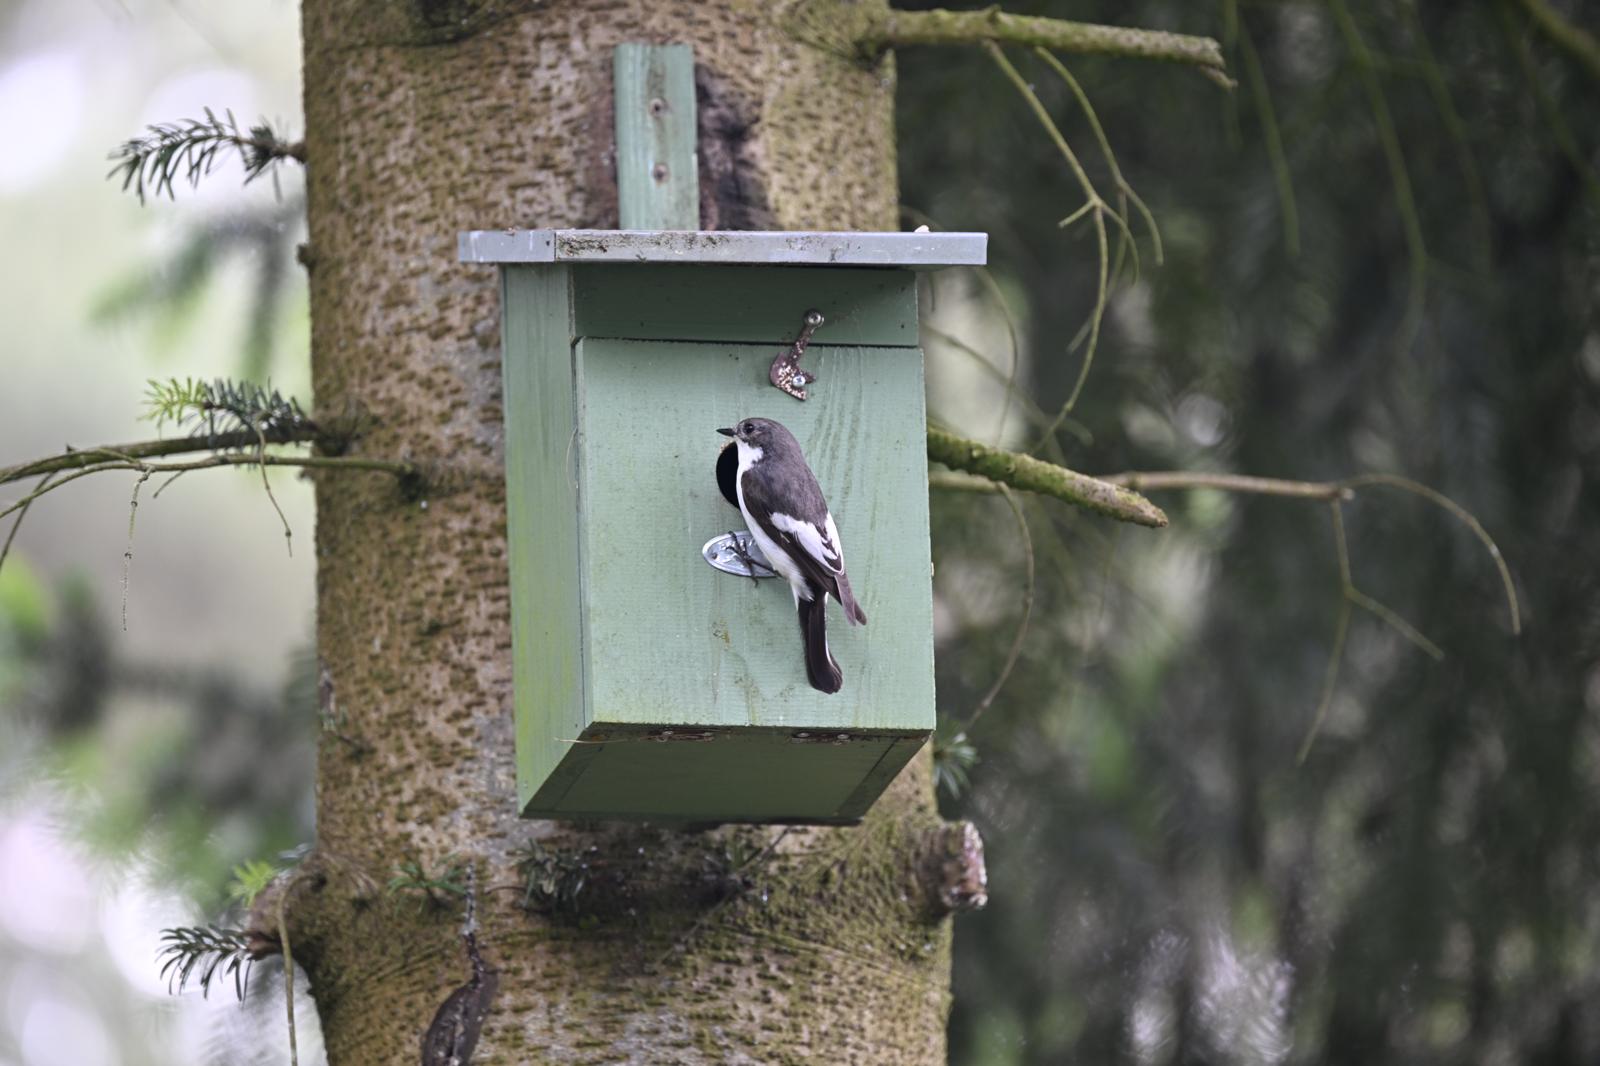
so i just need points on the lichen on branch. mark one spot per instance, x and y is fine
(1047, 479)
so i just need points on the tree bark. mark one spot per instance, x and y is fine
(638, 944)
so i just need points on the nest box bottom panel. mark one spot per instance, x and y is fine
(723, 775)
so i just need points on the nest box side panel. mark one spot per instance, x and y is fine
(674, 642)
(542, 519)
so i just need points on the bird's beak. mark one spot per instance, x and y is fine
(725, 432)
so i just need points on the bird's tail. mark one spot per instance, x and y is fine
(822, 670)
(847, 599)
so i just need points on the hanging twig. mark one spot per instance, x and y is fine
(1094, 206)
(1350, 596)
(1272, 136)
(22, 513)
(1341, 627)
(1559, 130)
(1579, 44)
(1462, 515)
(1155, 481)
(127, 554)
(1030, 410)
(986, 278)
(1456, 127)
(266, 485)
(288, 973)
(1100, 137)
(1022, 625)
(1399, 175)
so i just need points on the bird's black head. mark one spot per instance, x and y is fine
(760, 433)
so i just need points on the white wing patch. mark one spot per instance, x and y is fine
(822, 545)
(832, 532)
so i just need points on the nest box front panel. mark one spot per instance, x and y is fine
(670, 641)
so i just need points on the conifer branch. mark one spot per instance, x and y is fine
(225, 418)
(81, 458)
(1015, 651)
(402, 470)
(222, 405)
(232, 423)
(204, 952)
(188, 148)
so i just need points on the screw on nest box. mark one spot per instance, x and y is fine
(785, 372)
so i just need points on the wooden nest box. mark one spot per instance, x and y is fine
(650, 684)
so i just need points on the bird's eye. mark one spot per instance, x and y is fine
(748, 428)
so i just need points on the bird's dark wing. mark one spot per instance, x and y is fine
(809, 538)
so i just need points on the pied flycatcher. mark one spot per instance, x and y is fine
(783, 505)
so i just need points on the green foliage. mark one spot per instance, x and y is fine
(1176, 888)
(431, 888)
(168, 288)
(552, 880)
(204, 953)
(24, 603)
(250, 879)
(192, 768)
(223, 406)
(189, 149)
(953, 760)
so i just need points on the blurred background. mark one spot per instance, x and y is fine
(1379, 254)
(145, 751)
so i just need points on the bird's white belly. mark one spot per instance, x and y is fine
(775, 555)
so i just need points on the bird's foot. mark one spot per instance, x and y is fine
(750, 562)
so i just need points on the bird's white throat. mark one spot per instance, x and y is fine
(749, 455)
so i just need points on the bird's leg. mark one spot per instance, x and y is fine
(738, 549)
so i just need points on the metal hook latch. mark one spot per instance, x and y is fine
(737, 553)
(785, 372)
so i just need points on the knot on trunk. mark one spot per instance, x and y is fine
(951, 869)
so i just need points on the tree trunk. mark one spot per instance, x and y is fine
(636, 944)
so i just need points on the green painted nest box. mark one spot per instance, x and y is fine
(649, 682)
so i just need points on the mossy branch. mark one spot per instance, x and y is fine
(901, 29)
(1034, 475)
